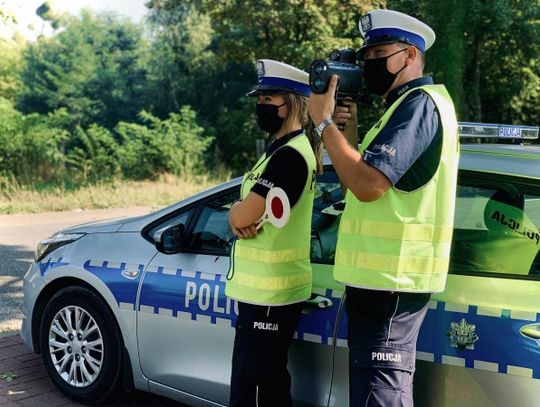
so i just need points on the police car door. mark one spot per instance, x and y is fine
(318, 360)
(480, 341)
(185, 321)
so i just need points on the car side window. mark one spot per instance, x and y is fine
(327, 208)
(179, 219)
(496, 230)
(211, 233)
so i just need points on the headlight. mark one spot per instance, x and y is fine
(46, 246)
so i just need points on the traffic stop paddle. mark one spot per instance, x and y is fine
(278, 209)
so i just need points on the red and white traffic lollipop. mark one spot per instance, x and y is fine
(278, 208)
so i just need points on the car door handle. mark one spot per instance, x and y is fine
(317, 302)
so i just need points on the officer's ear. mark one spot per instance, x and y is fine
(412, 54)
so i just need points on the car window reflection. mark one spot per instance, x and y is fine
(327, 208)
(496, 230)
(211, 232)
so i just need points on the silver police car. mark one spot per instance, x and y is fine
(139, 303)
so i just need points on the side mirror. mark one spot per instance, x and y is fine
(168, 240)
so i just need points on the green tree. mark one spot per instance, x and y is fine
(93, 69)
(504, 78)
(235, 35)
(181, 65)
(10, 66)
(295, 31)
(486, 53)
(46, 12)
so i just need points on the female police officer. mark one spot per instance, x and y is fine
(270, 273)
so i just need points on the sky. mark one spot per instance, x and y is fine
(25, 12)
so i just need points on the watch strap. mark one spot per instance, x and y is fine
(323, 125)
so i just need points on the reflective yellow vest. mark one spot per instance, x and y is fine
(274, 267)
(401, 241)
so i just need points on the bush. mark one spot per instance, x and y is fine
(175, 145)
(36, 149)
(44, 137)
(94, 155)
(30, 146)
(11, 122)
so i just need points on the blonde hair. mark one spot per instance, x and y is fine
(298, 111)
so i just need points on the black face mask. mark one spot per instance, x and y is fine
(378, 78)
(267, 117)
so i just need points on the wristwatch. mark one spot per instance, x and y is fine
(323, 125)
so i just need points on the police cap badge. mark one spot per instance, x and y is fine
(380, 27)
(274, 77)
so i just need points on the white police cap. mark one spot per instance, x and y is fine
(388, 26)
(275, 77)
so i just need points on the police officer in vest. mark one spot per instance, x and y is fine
(270, 273)
(395, 232)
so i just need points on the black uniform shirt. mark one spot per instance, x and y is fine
(407, 150)
(286, 169)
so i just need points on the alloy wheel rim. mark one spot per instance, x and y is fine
(76, 346)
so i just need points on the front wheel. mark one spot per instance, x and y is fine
(81, 345)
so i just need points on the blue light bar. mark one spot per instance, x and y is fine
(497, 131)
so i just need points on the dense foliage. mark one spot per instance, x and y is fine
(105, 98)
(39, 147)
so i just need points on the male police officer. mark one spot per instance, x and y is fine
(395, 233)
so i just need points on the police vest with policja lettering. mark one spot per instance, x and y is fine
(401, 241)
(274, 267)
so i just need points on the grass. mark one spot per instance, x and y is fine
(116, 194)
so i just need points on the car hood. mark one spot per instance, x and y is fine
(137, 223)
(102, 226)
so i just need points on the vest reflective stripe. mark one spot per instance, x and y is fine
(272, 283)
(375, 261)
(384, 273)
(400, 231)
(402, 241)
(272, 256)
(274, 267)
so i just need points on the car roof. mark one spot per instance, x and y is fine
(507, 159)
(515, 160)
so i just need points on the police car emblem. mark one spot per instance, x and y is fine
(365, 22)
(462, 335)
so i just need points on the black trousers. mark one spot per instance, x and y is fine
(259, 364)
(382, 334)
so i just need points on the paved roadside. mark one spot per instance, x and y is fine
(32, 387)
(20, 234)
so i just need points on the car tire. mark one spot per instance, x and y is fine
(81, 345)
